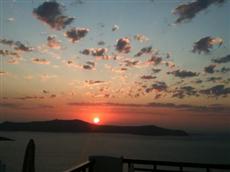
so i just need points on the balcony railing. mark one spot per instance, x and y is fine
(136, 165)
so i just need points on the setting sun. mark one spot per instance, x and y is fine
(96, 120)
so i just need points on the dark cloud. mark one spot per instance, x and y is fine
(30, 97)
(224, 59)
(154, 60)
(7, 42)
(225, 69)
(130, 63)
(205, 44)
(214, 79)
(95, 51)
(22, 47)
(123, 45)
(45, 91)
(51, 13)
(75, 34)
(210, 68)
(183, 73)
(145, 50)
(115, 28)
(89, 65)
(94, 82)
(156, 70)
(9, 53)
(101, 43)
(186, 12)
(215, 91)
(148, 77)
(198, 81)
(52, 42)
(40, 61)
(17, 45)
(184, 91)
(159, 86)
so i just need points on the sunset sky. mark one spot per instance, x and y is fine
(128, 62)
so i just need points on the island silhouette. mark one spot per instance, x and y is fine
(79, 126)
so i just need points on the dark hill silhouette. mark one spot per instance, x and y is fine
(81, 126)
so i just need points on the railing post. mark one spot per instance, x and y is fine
(130, 167)
(208, 170)
(181, 168)
(154, 167)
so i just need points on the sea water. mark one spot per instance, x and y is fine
(59, 151)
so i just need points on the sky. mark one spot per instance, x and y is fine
(128, 62)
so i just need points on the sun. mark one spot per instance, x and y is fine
(96, 120)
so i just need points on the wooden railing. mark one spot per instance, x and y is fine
(135, 165)
(158, 166)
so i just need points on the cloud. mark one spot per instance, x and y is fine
(101, 43)
(148, 77)
(158, 86)
(17, 45)
(52, 42)
(51, 13)
(76, 34)
(9, 53)
(184, 91)
(94, 82)
(2, 73)
(46, 77)
(154, 60)
(183, 73)
(115, 28)
(214, 79)
(156, 70)
(30, 97)
(95, 51)
(22, 47)
(186, 12)
(7, 42)
(210, 68)
(145, 50)
(40, 61)
(123, 45)
(225, 69)
(169, 64)
(205, 44)
(130, 62)
(141, 38)
(9, 105)
(224, 59)
(89, 65)
(13, 61)
(215, 91)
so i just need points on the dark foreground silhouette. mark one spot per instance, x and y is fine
(81, 126)
(5, 139)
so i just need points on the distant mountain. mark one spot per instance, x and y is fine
(81, 126)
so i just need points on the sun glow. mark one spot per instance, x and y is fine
(96, 120)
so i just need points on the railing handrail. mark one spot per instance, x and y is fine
(82, 166)
(177, 164)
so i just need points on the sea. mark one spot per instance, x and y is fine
(56, 152)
